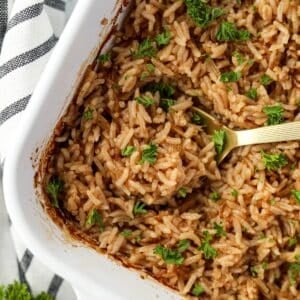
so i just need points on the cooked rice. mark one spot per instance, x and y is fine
(259, 220)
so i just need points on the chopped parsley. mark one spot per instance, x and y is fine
(103, 58)
(229, 33)
(54, 188)
(94, 218)
(197, 118)
(198, 290)
(145, 49)
(165, 90)
(296, 195)
(182, 192)
(215, 196)
(265, 80)
(234, 193)
(126, 233)
(292, 241)
(202, 13)
(252, 93)
(88, 114)
(264, 265)
(219, 139)
(294, 272)
(274, 114)
(149, 154)
(219, 230)
(19, 291)
(239, 57)
(150, 68)
(139, 208)
(169, 256)
(183, 245)
(144, 100)
(208, 251)
(254, 271)
(163, 39)
(274, 162)
(230, 76)
(165, 104)
(128, 151)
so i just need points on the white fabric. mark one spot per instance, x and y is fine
(29, 30)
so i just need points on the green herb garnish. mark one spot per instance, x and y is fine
(265, 80)
(88, 114)
(219, 139)
(219, 230)
(150, 68)
(182, 192)
(165, 104)
(149, 154)
(165, 90)
(208, 251)
(264, 265)
(103, 58)
(296, 195)
(54, 188)
(145, 49)
(230, 76)
(139, 208)
(294, 272)
(169, 256)
(234, 193)
(274, 114)
(126, 233)
(239, 57)
(163, 39)
(183, 245)
(274, 162)
(198, 290)
(202, 13)
(144, 100)
(254, 271)
(252, 93)
(292, 241)
(215, 196)
(197, 118)
(229, 33)
(94, 218)
(128, 151)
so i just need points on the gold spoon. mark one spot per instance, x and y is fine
(269, 134)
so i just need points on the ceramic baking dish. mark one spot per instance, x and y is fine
(93, 275)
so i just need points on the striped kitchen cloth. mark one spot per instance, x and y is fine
(29, 30)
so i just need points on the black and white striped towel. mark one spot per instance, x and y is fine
(29, 30)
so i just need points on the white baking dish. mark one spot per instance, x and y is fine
(94, 275)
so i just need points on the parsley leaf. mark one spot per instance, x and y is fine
(208, 251)
(128, 151)
(95, 218)
(197, 118)
(88, 114)
(103, 58)
(165, 104)
(265, 80)
(296, 194)
(144, 100)
(182, 192)
(165, 90)
(219, 230)
(239, 57)
(54, 188)
(149, 154)
(294, 272)
(139, 208)
(43, 296)
(252, 93)
(202, 13)
(230, 76)
(219, 139)
(292, 241)
(183, 245)
(228, 32)
(169, 256)
(145, 49)
(274, 114)
(197, 290)
(150, 68)
(274, 162)
(126, 233)
(234, 193)
(163, 39)
(215, 196)
(15, 291)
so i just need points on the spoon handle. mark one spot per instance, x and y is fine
(269, 134)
